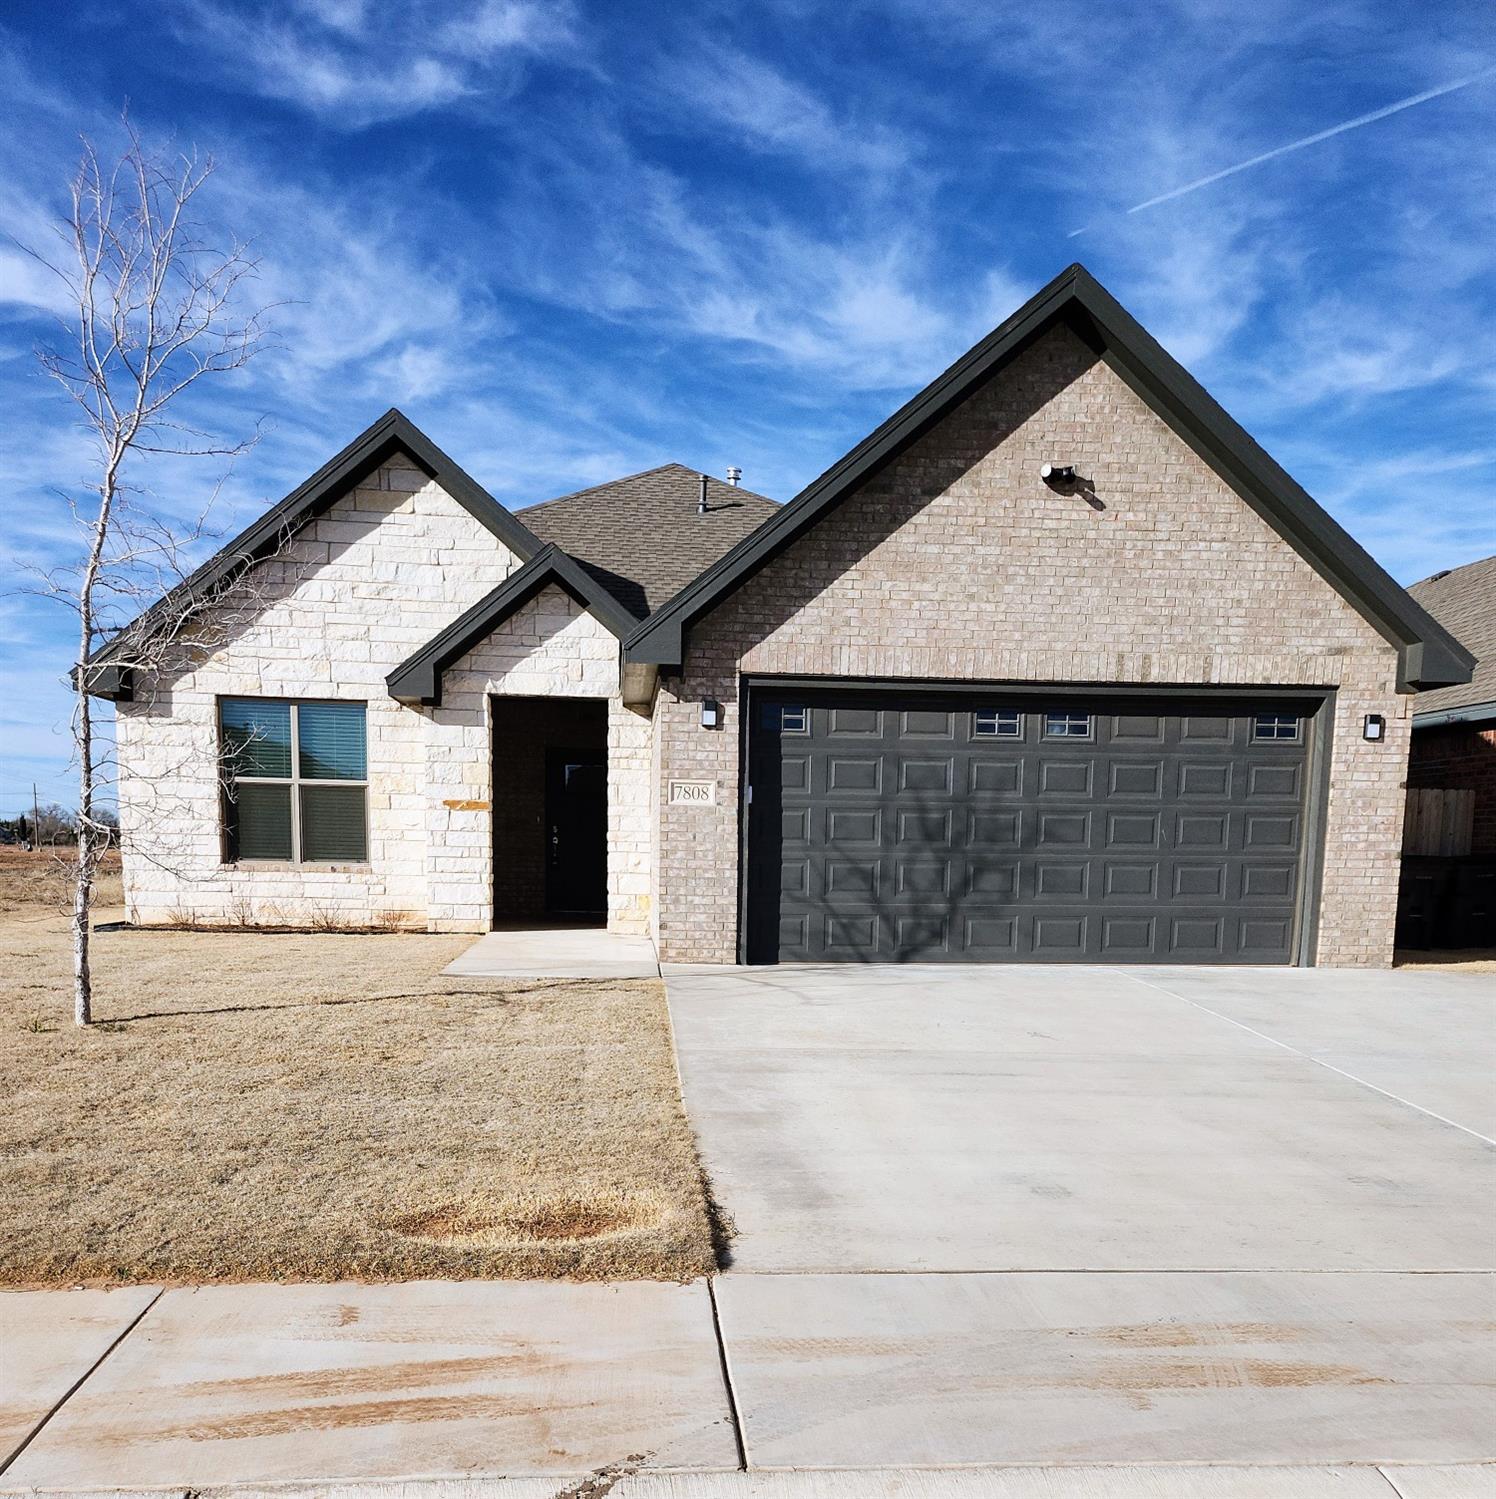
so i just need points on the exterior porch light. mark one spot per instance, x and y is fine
(1373, 726)
(711, 713)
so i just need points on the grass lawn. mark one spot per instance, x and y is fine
(258, 1106)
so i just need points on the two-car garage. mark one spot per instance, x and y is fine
(984, 826)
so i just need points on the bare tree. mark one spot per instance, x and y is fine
(157, 310)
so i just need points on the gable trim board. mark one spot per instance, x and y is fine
(110, 673)
(419, 679)
(1428, 655)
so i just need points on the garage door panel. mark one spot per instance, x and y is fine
(994, 776)
(1068, 777)
(976, 830)
(921, 878)
(1137, 728)
(1275, 782)
(854, 773)
(1135, 779)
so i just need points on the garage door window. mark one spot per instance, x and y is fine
(1282, 727)
(1067, 725)
(786, 720)
(999, 723)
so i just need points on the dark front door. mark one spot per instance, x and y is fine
(888, 827)
(576, 830)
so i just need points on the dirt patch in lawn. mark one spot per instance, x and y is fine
(258, 1106)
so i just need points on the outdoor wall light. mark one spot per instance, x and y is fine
(711, 713)
(1373, 726)
(1057, 473)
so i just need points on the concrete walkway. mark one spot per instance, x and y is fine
(1017, 1234)
(557, 953)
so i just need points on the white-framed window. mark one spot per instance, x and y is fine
(786, 719)
(295, 778)
(1281, 728)
(1067, 725)
(998, 723)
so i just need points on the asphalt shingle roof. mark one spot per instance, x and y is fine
(1463, 600)
(641, 537)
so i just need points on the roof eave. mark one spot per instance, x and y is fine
(1465, 713)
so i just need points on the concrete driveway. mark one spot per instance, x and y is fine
(1097, 1215)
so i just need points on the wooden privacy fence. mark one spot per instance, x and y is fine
(1438, 822)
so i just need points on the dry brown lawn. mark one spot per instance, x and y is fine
(257, 1106)
(1456, 960)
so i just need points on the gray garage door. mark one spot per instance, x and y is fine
(918, 828)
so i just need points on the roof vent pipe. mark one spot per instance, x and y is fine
(733, 475)
(701, 502)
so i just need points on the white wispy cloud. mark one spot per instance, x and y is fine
(356, 63)
(711, 83)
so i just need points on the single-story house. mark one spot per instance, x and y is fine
(1449, 841)
(1056, 664)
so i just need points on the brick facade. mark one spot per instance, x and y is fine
(355, 593)
(957, 563)
(1458, 756)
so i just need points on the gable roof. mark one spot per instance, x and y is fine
(1429, 655)
(642, 535)
(420, 677)
(109, 672)
(1463, 600)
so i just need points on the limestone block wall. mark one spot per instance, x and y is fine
(354, 594)
(957, 563)
(550, 647)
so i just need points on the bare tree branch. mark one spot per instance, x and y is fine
(157, 311)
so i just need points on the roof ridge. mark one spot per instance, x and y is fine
(1449, 572)
(643, 473)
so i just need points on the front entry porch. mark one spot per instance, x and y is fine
(557, 952)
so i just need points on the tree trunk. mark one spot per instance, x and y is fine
(83, 742)
(82, 901)
(83, 876)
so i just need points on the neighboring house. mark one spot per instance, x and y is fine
(1056, 664)
(1454, 728)
(1449, 870)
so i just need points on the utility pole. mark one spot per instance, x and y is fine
(35, 835)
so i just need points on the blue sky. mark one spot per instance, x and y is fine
(576, 241)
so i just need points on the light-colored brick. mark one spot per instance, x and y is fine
(957, 563)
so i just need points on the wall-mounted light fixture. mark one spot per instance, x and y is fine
(1057, 473)
(711, 713)
(1373, 726)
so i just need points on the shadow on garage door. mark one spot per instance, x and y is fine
(908, 825)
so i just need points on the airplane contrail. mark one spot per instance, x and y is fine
(1308, 140)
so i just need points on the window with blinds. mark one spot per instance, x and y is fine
(295, 778)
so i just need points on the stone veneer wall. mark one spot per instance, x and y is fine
(958, 563)
(356, 592)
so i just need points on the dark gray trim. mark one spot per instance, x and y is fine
(419, 678)
(393, 433)
(1471, 713)
(1430, 656)
(1319, 700)
(1316, 811)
